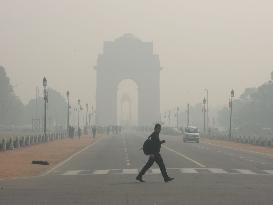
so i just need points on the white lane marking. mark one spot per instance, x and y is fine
(189, 171)
(269, 171)
(101, 172)
(69, 158)
(130, 171)
(156, 171)
(184, 156)
(72, 172)
(128, 163)
(217, 171)
(245, 171)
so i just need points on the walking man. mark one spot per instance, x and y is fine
(155, 156)
(94, 131)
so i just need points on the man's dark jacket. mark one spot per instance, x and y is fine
(156, 143)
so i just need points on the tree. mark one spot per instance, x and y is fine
(56, 109)
(252, 111)
(11, 108)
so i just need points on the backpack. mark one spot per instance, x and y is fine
(148, 146)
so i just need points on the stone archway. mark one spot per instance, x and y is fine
(128, 58)
(127, 103)
(123, 121)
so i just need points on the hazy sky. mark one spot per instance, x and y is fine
(214, 44)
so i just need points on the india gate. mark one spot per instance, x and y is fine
(128, 57)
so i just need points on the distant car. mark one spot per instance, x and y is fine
(191, 134)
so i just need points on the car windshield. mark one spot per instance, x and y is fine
(191, 130)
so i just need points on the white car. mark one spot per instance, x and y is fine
(191, 134)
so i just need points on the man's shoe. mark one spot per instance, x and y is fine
(139, 178)
(168, 179)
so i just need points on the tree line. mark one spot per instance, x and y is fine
(14, 113)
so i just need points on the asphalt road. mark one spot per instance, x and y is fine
(105, 172)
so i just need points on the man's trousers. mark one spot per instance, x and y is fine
(158, 159)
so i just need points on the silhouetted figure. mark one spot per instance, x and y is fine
(94, 131)
(155, 156)
(79, 132)
(108, 130)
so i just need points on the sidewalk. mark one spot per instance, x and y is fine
(18, 163)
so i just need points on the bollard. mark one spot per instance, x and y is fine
(16, 143)
(260, 141)
(10, 144)
(27, 141)
(3, 146)
(39, 138)
(22, 141)
(31, 140)
(241, 139)
(245, 140)
(254, 140)
(268, 143)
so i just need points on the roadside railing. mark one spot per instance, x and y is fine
(253, 140)
(15, 142)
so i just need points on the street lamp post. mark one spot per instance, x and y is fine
(231, 107)
(188, 115)
(204, 110)
(207, 92)
(92, 113)
(79, 106)
(87, 110)
(46, 101)
(165, 118)
(177, 115)
(68, 113)
(169, 118)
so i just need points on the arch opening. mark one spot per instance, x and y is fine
(127, 103)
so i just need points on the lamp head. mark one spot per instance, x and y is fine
(44, 82)
(232, 93)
